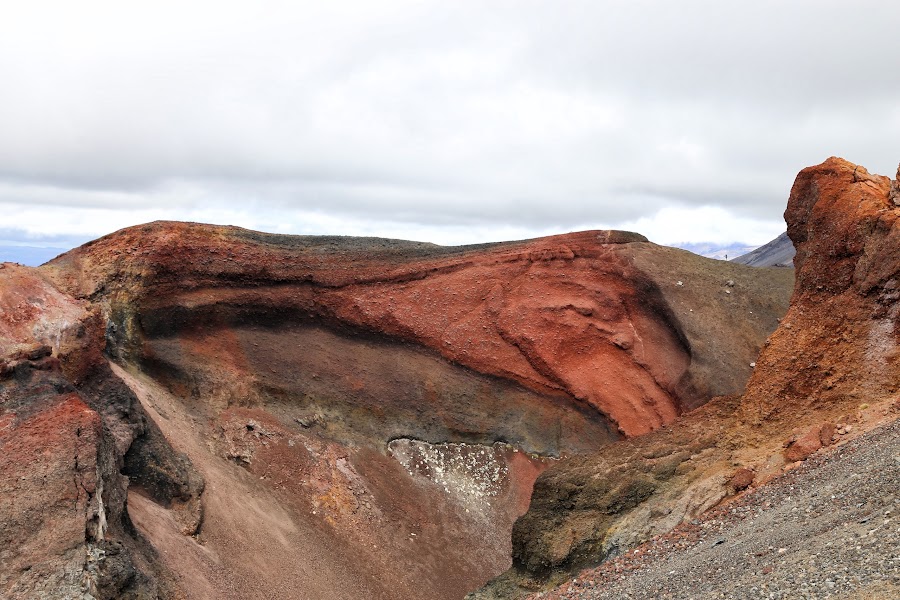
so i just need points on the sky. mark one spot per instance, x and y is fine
(451, 122)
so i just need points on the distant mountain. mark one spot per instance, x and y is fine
(717, 251)
(777, 253)
(31, 256)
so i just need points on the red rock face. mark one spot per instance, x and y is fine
(339, 417)
(48, 490)
(838, 342)
(569, 315)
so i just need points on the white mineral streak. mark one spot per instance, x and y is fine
(470, 473)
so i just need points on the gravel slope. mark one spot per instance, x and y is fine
(827, 529)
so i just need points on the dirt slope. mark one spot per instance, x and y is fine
(827, 529)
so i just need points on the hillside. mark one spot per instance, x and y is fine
(777, 253)
(266, 416)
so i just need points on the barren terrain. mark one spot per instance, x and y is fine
(195, 411)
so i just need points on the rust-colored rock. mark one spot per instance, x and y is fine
(801, 447)
(835, 350)
(339, 417)
(741, 479)
(837, 344)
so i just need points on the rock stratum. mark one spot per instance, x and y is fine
(195, 411)
(829, 372)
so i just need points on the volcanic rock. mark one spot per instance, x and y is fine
(258, 414)
(568, 316)
(835, 350)
(741, 480)
(62, 499)
(837, 345)
(801, 447)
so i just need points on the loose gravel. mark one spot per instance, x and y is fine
(827, 529)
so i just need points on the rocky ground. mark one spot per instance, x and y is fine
(826, 529)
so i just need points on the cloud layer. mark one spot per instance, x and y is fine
(448, 122)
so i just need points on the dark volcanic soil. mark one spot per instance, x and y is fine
(827, 529)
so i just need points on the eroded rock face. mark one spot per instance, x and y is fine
(837, 345)
(252, 427)
(65, 425)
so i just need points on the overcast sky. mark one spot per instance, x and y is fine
(452, 122)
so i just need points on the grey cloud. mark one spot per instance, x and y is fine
(532, 114)
(10, 237)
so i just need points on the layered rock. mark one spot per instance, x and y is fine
(833, 358)
(341, 417)
(581, 316)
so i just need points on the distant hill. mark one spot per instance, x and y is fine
(777, 253)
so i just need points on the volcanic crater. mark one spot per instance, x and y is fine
(198, 411)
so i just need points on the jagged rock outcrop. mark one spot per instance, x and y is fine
(65, 425)
(343, 417)
(837, 344)
(834, 358)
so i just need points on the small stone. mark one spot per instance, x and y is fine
(799, 449)
(741, 479)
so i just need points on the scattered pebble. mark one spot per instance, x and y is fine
(822, 530)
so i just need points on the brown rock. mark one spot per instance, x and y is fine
(801, 448)
(741, 479)
(826, 433)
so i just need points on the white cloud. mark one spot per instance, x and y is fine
(442, 121)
